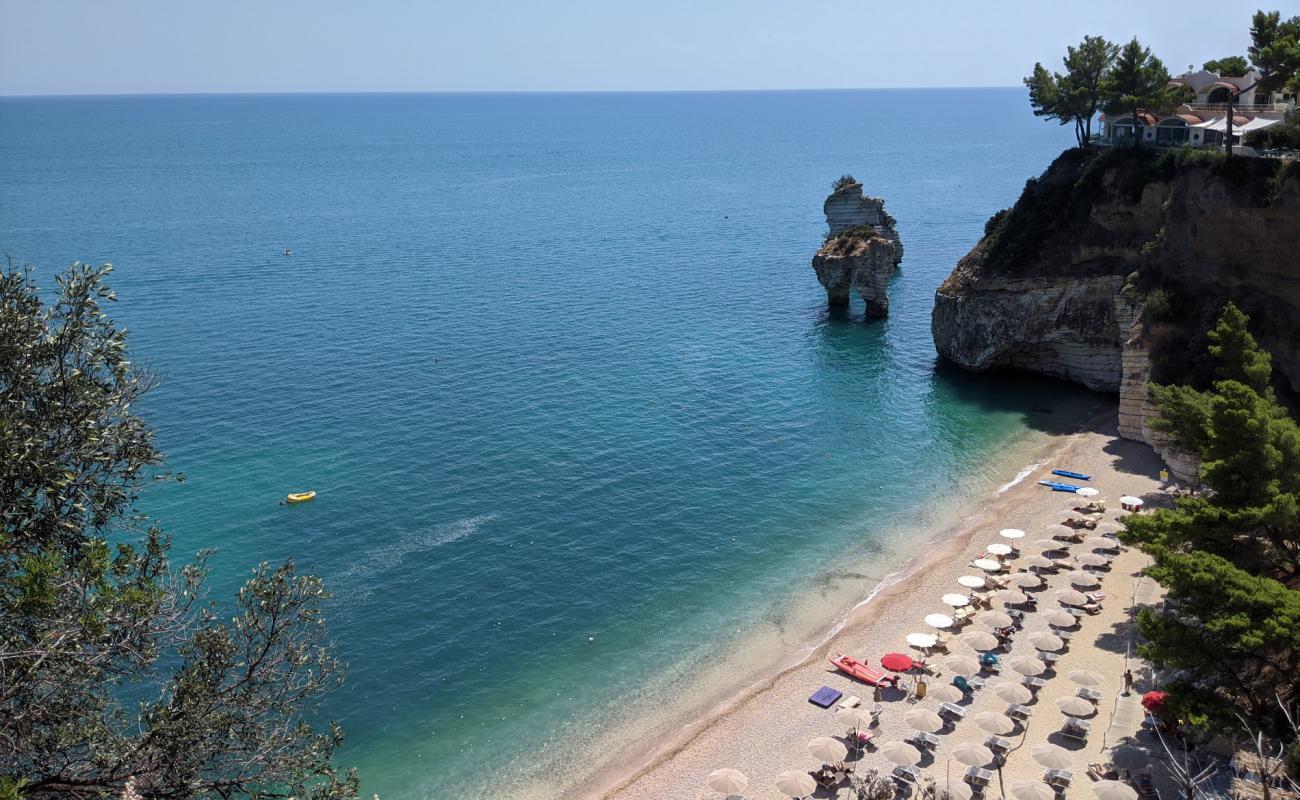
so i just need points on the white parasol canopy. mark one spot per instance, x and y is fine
(979, 640)
(1071, 597)
(1074, 515)
(954, 789)
(1039, 562)
(1130, 500)
(1085, 678)
(962, 665)
(1028, 665)
(1075, 706)
(1084, 580)
(1114, 790)
(1100, 543)
(925, 720)
(945, 693)
(1052, 756)
(1046, 641)
(1087, 491)
(1061, 532)
(728, 781)
(1025, 790)
(1010, 597)
(994, 619)
(1013, 692)
(999, 549)
(1011, 533)
(828, 750)
(1026, 580)
(855, 718)
(922, 640)
(1091, 559)
(955, 600)
(1050, 544)
(938, 620)
(987, 564)
(993, 722)
(1108, 527)
(795, 784)
(901, 753)
(1060, 619)
(972, 581)
(971, 754)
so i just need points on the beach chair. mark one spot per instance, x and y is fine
(997, 744)
(1048, 658)
(1062, 634)
(906, 776)
(852, 701)
(1058, 778)
(923, 740)
(1088, 694)
(952, 710)
(978, 776)
(1017, 711)
(1032, 684)
(1075, 729)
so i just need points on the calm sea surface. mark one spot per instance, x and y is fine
(557, 366)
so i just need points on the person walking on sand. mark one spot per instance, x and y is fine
(1128, 682)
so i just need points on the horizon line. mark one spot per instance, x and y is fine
(354, 92)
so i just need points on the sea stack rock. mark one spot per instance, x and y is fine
(862, 251)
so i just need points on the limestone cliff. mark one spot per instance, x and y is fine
(861, 252)
(1111, 266)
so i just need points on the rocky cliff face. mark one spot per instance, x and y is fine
(1112, 265)
(862, 251)
(847, 207)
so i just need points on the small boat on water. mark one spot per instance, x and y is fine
(299, 497)
(1065, 473)
(860, 670)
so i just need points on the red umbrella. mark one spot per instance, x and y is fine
(1154, 701)
(897, 662)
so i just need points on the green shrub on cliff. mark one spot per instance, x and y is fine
(843, 181)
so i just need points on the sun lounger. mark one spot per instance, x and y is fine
(978, 776)
(852, 701)
(1075, 729)
(825, 697)
(1032, 684)
(907, 775)
(1058, 778)
(952, 710)
(997, 744)
(1017, 711)
(1089, 694)
(1048, 658)
(923, 740)
(1095, 597)
(1062, 634)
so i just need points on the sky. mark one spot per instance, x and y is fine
(183, 46)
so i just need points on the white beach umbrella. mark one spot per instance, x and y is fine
(1026, 580)
(994, 619)
(901, 753)
(1038, 562)
(954, 789)
(979, 640)
(1074, 515)
(1013, 692)
(1087, 491)
(1028, 665)
(1085, 678)
(1108, 527)
(925, 720)
(1100, 543)
(993, 722)
(972, 581)
(1011, 533)
(828, 750)
(922, 640)
(1113, 790)
(795, 784)
(1032, 791)
(1071, 597)
(1061, 532)
(1084, 580)
(855, 718)
(1010, 597)
(987, 564)
(1130, 500)
(728, 781)
(962, 665)
(944, 693)
(1060, 619)
(938, 621)
(955, 600)
(1045, 545)
(999, 549)
(1075, 706)
(973, 755)
(1052, 756)
(1091, 559)
(1046, 641)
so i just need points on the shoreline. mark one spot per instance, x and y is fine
(619, 778)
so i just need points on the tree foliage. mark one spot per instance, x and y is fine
(1075, 95)
(112, 665)
(1228, 66)
(1138, 80)
(1275, 51)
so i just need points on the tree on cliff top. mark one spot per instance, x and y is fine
(1275, 51)
(1138, 80)
(1075, 95)
(112, 668)
(1228, 66)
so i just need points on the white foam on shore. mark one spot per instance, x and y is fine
(1021, 475)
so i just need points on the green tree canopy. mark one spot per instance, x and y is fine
(1275, 51)
(1075, 95)
(111, 665)
(1137, 81)
(1228, 66)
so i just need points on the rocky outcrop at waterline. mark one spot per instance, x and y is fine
(862, 251)
(1112, 266)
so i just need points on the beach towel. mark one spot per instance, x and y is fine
(825, 697)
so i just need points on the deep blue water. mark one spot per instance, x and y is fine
(557, 366)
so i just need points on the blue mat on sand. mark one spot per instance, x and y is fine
(825, 697)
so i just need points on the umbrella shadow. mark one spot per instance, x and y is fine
(1066, 742)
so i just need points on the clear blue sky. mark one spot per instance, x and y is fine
(114, 46)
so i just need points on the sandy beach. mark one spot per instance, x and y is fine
(765, 731)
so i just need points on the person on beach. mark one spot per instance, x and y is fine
(1128, 682)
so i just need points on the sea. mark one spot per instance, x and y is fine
(590, 452)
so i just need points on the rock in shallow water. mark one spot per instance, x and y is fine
(862, 251)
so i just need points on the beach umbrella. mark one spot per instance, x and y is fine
(1028, 665)
(987, 564)
(1010, 597)
(1084, 580)
(897, 662)
(1100, 543)
(1011, 533)
(1061, 532)
(1075, 706)
(1060, 619)
(962, 665)
(1046, 641)
(955, 600)
(795, 784)
(1052, 756)
(1071, 597)
(993, 722)
(1049, 544)
(1038, 562)
(945, 693)
(1074, 515)
(999, 549)
(1155, 701)
(1108, 527)
(855, 718)
(923, 641)
(1026, 580)
(972, 581)
(901, 753)
(827, 750)
(979, 640)
(1085, 678)
(729, 781)
(953, 789)
(925, 720)
(1113, 790)
(1013, 692)
(938, 620)
(1032, 791)
(973, 755)
(994, 619)
(1130, 500)
(1087, 491)
(1091, 559)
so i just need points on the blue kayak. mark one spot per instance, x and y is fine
(1065, 473)
(1060, 487)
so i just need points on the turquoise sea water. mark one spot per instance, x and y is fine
(557, 366)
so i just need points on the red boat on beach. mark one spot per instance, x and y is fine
(862, 671)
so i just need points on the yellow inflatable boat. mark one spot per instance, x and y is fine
(300, 497)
